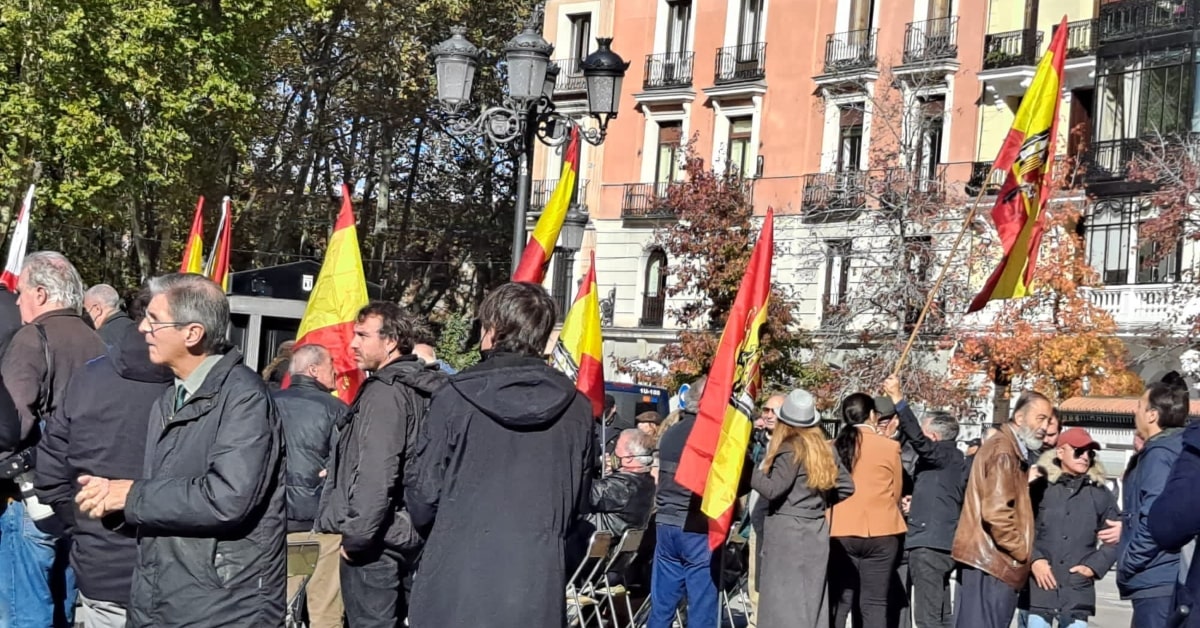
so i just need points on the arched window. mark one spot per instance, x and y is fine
(655, 299)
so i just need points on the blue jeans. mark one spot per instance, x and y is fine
(1152, 611)
(1025, 619)
(682, 561)
(37, 587)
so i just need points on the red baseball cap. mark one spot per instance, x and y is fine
(1078, 438)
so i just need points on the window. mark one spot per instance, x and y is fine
(560, 284)
(939, 9)
(679, 17)
(929, 141)
(1108, 238)
(862, 14)
(1156, 266)
(739, 160)
(581, 40)
(654, 301)
(918, 257)
(837, 274)
(666, 169)
(1165, 100)
(749, 28)
(850, 139)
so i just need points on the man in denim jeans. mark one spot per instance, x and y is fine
(37, 587)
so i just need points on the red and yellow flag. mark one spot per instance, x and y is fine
(578, 352)
(712, 459)
(218, 261)
(333, 305)
(1027, 156)
(193, 251)
(545, 235)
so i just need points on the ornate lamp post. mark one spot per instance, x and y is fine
(527, 112)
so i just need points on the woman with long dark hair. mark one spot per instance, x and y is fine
(868, 527)
(800, 478)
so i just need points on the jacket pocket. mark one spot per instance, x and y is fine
(230, 559)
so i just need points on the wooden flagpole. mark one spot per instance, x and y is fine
(937, 286)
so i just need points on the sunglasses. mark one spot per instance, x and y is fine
(1084, 452)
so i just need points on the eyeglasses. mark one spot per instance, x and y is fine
(157, 325)
(1084, 452)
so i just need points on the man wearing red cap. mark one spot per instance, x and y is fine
(1072, 505)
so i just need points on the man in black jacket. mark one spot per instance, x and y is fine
(363, 495)
(937, 496)
(100, 429)
(209, 511)
(103, 305)
(308, 414)
(504, 470)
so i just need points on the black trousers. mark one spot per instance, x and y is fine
(861, 573)
(375, 591)
(930, 571)
(984, 601)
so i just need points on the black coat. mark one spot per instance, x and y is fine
(307, 414)
(100, 429)
(621, 500)
(504, 470)
(10, 317)
(940, 479)
(1069, 512)
(210, 515)
(363, 495)
(1175, 522)
(116, 328)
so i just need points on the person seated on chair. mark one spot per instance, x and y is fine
(621, 500)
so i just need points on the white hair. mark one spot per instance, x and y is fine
(54, 273)
(105, 294)
(639, 446)
(306, 356)
(196, 299)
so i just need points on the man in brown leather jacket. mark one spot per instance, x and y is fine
(995, 533)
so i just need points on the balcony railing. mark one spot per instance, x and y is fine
(1081, 38)
(931, 40)
(653, 309)
(669, 69)
(1127, 19)
(1011, 49)
(851, 50)
(1133, 306)
(984, 177)
(747, 62)
(570, 78)
(544, 188)
(646, 200)
(1107, 160)
(835, 191)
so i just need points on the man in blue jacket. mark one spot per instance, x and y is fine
(1146, 571)
(1176, 522)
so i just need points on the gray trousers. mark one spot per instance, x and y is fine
(99, 614)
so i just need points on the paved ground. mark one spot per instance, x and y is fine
(1111, 610)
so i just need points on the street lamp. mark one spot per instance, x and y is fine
(527, 111)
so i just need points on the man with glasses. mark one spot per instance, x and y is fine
(41, 357)
(208, 512)
(1072, 505)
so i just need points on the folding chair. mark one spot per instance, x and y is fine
(301, 562)
(619, 563)
(581, 584)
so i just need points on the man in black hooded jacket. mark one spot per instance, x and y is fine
(100, 429)
(504, 471)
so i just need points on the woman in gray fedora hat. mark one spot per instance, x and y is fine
(800, 478)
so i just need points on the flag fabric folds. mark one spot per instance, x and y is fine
(711, 465)
(217, 267)
(578, 352)
(193, 250)
(18, 244)
(336, 298)
(1027, 156)
(537, 253)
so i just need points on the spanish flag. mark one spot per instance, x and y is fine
(193, 251)
(217, 268)
(336, 298)
(712, 459)
(1027, 156)
(545, 235)
(578, 352)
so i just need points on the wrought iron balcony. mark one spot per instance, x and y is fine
(829, 195)
(747, 62)
(851, 50)
(1127, 19)
(668, 70)
(1081, 38)
(654, 307)
(544, 188)
(986, 178)
(570, 78)
(646, 201)
(1107, 160)
(931, 40)
(1011, 49)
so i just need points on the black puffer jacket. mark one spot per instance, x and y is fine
(622, 500)
(1069, 512)
(100, 429)
(937, 496)
(210, 515)
(307, 413)
(363, 498)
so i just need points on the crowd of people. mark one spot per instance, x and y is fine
(151, 479)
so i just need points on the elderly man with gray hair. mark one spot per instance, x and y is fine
(208, 510)
(103, 306)
(51, 345)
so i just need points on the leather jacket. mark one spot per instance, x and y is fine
(621, 500)
(996, 531)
